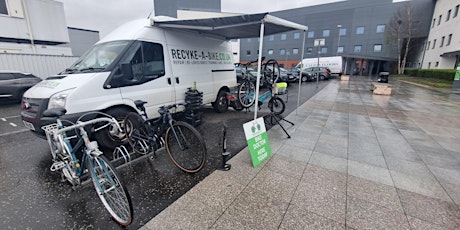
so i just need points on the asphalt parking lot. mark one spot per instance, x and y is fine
(34, 197)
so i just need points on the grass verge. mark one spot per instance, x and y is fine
(433, 82)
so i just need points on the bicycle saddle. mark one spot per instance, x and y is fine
(139, 104)
(54, 112)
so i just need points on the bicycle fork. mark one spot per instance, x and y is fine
(99, 180)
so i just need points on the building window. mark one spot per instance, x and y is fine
(436, 64)
(442, 41)
(271, 37)
(448, 15)
(282, 51)
(449, 39)
(295, 51)
(434, 22)
(3, 9)
(343, 31)
(428, 45)
(270, 51)
(326, 33)
(378, 48)
(429, 65)
(296, 35)
(439, 21)
(283, 36)
(434, 44)
(248, 52)
(360, 30)
(456, 11)
(340, 49)
(380, 28)
(358, 48)
(311, 34)
(324, 50)
(309, 50)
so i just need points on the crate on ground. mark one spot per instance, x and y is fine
(281, 89)
(381, 89)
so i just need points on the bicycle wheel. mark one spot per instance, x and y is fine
(136, 133)
(185, 147)
(271, 71)
(276, 105)
(247, 94)
(110, 189)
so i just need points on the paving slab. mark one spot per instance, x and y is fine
(355, 161)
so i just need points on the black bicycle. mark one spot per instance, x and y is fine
(184, 144)
(247, 91)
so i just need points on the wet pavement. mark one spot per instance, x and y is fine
(355, 161)
(31, 196)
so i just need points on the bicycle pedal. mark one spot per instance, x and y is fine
(57, 166)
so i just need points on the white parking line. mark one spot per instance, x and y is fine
(13, 124)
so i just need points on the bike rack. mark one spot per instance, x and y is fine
(121, 151)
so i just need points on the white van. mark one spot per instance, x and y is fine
(137, 61)
(333, 63)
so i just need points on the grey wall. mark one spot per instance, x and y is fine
(81, 40)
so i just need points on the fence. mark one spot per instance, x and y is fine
(40, 65)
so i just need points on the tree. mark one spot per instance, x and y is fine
(402, 30)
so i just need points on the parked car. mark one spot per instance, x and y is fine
(311, 73)
(13, 84)
(293, 74)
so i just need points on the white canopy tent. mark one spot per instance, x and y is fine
(233, 27)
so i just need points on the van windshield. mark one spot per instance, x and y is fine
(98, 58)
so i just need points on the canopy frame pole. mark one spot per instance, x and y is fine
(300, 73)
(259, 64)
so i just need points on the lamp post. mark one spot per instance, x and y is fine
(318, 43)
(338, 43)
(287, 55)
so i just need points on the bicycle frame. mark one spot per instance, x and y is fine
(59, 134)
(156, 128)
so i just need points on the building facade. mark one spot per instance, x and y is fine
(353, 29)
(33, 27)
(34, 37)
(442, 49)
(39, 27)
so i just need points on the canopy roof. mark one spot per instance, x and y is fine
(232, 27)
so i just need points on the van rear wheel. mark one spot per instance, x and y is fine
(221, 103)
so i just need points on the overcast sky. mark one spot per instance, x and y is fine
(106, 15)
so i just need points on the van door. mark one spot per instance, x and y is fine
(142, 76)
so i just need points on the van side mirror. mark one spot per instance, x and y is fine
(127, 70)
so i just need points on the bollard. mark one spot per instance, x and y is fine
(225, 154)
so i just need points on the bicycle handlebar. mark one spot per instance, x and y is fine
(80, 124)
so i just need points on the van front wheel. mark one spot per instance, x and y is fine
(109, 137)
(221, 103)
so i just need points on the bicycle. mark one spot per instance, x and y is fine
(184, 144)
(106, 180)
(247, 93)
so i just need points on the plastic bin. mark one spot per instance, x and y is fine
(383, 77)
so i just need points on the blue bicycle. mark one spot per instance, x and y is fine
(247, 90)
(71, 148)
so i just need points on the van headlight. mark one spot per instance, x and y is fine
(58, 100)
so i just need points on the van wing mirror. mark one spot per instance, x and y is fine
(127, 70)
